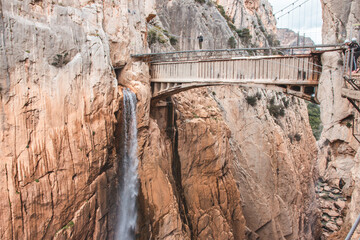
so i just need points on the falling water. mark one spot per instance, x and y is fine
(128, 184)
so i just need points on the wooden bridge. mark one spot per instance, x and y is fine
(294, 74)
(297, 76)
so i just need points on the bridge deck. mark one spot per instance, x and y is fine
(298, 75)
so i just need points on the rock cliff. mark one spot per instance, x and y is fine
(59, 96)
(288, 37)
(213, 164)
(217, 149)
(338, 160)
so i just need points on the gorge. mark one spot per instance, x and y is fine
(210, 165)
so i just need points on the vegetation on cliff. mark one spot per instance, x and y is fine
(314, 119)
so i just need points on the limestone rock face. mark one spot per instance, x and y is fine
(227, 170)
(58, 98)
(338, 157)
(288, 37)
(236, 171)
(273, 162)
(217, 22)
(255, 15)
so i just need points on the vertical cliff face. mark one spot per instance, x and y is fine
(270, 160)
(338, 159)
(58, 102)
(223, 24)
(217, 152)
(211, 165)
(255, 15)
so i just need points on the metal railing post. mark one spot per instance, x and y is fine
(352, 230)
(346, 65)
(351, 61)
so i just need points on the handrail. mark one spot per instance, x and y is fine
(352, 230)
(238, 49)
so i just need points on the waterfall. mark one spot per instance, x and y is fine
(127, 213)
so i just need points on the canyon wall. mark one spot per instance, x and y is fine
(338, 160)
(59, 96)
(217, 152)
(288, 37)
(212, 165)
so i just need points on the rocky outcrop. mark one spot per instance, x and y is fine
(280, 173)
(196, 166)
(223, 24)
(338, 157)
(288, 37)
(333, 207)
(254, 15)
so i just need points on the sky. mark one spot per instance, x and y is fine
(305, 19)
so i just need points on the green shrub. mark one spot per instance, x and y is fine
(261, 25)
(232, 26)
(272, 39)
(251, 100)
(276, 110)
(173, 40)
(272, 101)
(348, 124)
(231, 42)
(200, 1)
(69, 225)
(297, 137)
(258, 95)
(152, 37)
(286, 102)
(161, 39)
(314, 119)
(244, 34)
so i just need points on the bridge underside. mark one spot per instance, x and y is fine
(306, 92)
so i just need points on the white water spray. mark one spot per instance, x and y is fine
(127, 214)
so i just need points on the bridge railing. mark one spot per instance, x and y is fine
(228, 53)
(298, 75)
(262, 69)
